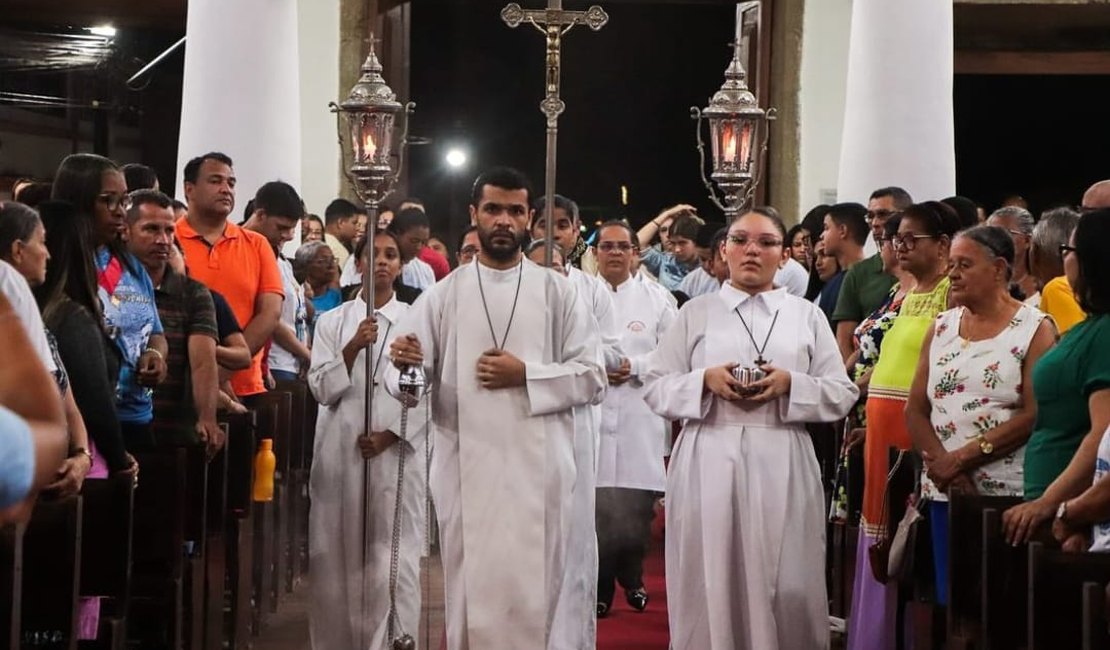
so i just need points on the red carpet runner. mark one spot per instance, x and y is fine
(627, 629)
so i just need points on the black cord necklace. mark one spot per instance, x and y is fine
(378, 362)
(759, 360)
(485, 305)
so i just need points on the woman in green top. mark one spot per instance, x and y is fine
(1072, 387)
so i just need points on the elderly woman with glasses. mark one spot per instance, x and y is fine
(745, 503)
(1072, 388)
(922, 245)
(971, 406)
(95, 186)
(317, 264)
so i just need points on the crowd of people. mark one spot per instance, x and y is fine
(978, 343)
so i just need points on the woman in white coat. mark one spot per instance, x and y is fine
(630, 472)
(337, 378)
(745, 508)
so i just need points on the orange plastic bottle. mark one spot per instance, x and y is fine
(264, 464)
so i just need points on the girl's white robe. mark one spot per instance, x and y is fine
(745, 507)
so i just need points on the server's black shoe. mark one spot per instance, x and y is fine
(637, 599)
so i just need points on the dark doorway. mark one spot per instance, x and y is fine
(628, 89)
(1045, 138)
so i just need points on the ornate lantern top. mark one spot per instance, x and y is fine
(734, 99)
(370, 92)
(368, 115)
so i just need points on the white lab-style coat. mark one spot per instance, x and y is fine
(633, 438)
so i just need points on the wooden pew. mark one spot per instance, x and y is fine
(291, 483)
(11, 583)
(107, 520)
(965, 558)
(239, 528)
(1004, 588)
(158, 539)
(301, 474)
(51, 570)
(1095, 635)
(1056, 582)
(215, 552)
(196, 533)
(276, 512)
(265, 546)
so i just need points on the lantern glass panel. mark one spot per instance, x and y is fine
(732, 145)
(715, 140)
(383, 137)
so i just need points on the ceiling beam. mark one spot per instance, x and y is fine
(1042, 63)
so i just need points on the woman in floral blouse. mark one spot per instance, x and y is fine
(971, 406)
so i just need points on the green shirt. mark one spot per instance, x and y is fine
(865, 288)
(1063, 381)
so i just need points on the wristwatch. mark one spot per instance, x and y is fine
(81, 451)
(985, 445)
(1062, 511)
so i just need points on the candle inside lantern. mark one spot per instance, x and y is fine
(728, 138)
(368, 146)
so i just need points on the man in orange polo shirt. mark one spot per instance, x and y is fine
(238, 263)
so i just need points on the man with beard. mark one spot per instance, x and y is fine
(509, 351)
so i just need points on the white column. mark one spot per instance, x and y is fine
(821, 94)
(319, 54)
(898, 122)
(241, 93)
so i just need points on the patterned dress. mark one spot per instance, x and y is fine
(868, 339)
(975, 386)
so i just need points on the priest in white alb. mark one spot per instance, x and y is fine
(337, 378)
(745, 505)
(509, 351)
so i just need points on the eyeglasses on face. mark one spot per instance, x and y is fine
(612, 246)
(1065, 249)
(766, 243)
(908, 241)
(115, 201)
(469, 250)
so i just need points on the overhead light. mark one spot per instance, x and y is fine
(455, 158)
(106, 31)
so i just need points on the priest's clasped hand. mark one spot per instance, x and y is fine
(406, 351)
(375, 443)
(500, 369)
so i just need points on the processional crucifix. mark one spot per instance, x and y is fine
(553, 22)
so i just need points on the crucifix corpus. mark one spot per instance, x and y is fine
(553, 22)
